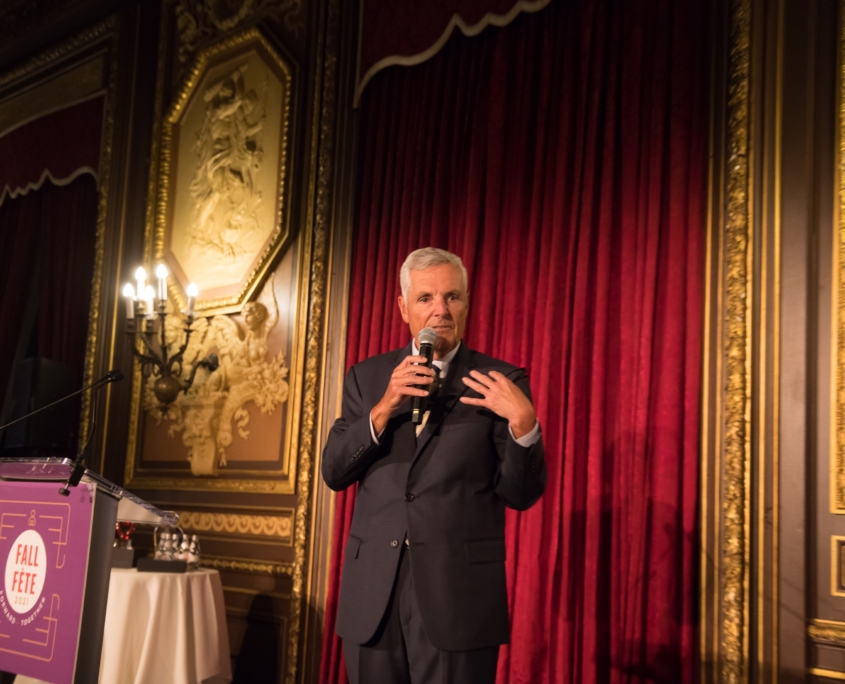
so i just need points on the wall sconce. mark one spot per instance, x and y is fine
(141, 317)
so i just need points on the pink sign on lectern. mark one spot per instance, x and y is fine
(44, 556)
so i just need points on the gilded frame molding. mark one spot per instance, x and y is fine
(281, 230)
(736, 419)
(726, 477)
(837, 461)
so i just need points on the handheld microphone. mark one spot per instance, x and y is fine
(426, 339)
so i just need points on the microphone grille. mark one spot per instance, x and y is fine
(427, 336)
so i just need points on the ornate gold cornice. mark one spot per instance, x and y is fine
(735, 540)
(60, 51)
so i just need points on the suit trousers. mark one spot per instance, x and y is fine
(401, 653)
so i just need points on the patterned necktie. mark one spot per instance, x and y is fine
(435, 386)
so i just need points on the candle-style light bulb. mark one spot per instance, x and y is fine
(129, 293)
(193, 291)
(141, 279)
(161, 274)
(149, 295)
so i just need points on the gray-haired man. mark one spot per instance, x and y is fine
(423, 595)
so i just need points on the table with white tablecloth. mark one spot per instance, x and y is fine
(165, 627)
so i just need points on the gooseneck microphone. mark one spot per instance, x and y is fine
(112, 376)
(426, 341)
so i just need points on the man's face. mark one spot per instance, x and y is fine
(436, 299)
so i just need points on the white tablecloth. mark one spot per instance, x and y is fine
(163, 628)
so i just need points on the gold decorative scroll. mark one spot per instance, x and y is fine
(200, 22)
(246, 565)
(278, 526)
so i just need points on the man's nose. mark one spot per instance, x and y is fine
(440, 308)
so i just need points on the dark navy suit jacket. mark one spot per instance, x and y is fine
(446, 490)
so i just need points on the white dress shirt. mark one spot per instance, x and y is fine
(526, 440)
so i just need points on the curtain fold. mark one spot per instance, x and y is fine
(17, 247)
(564, 159)
(68, 235)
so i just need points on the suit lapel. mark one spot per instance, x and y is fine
(454, 388)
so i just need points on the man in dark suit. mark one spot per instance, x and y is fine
(423, 596)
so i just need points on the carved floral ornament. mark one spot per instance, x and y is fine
(214, 409)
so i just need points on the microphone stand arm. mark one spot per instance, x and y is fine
(94, 385)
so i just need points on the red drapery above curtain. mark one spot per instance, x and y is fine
(409, 32)
(564, 159)
(64, 143)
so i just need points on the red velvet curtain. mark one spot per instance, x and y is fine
(68, 230)
(564, 159)
(52, 229)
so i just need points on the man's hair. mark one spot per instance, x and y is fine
(425, 258)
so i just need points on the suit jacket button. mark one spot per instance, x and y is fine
(409, 497)
(394, 543)
(355, 457)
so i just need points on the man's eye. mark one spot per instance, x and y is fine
(423, 299)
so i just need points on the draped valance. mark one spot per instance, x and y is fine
(407, 32)
(59, 145)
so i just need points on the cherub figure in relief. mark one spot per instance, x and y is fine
(215, 406)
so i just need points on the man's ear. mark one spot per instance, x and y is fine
(403, 309)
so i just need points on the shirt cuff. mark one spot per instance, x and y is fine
(527, 440)
(373, 431)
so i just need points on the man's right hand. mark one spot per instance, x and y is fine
(401, 386)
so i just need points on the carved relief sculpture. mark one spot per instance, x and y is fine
(215, 407)
(222, 214)
(229, 155)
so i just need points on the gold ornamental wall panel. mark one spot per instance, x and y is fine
(222, 213)
(219, 217)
